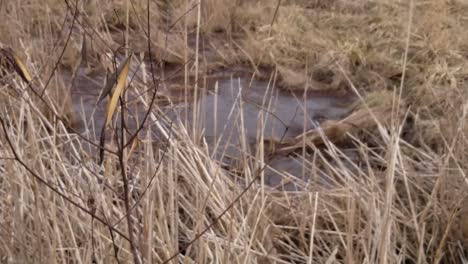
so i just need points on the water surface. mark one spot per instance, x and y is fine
(233, 114)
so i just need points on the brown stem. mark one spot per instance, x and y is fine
(131, 235)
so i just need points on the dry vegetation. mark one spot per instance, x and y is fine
(402, 201)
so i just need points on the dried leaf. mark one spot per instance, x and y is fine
(14, 62)
(22, 70)
(111, 79)
(119, 88)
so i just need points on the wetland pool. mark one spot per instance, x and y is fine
(233, 114)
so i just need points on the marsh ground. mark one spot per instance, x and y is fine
(395, 165)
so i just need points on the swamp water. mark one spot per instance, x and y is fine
(233, 115)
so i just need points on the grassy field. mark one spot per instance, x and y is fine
(402, 201)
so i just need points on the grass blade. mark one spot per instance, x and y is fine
(16, 63)
(119, 88)
(21, 69)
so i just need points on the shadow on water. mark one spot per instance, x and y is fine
(233, 114)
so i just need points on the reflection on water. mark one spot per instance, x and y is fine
(230, 114)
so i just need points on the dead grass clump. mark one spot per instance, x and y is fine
(389, 181)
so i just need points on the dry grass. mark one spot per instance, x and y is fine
(403, 199)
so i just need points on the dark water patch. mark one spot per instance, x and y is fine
(241, 114)
(233, 113)
(284, 114)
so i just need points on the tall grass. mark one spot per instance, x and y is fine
(400, 196)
